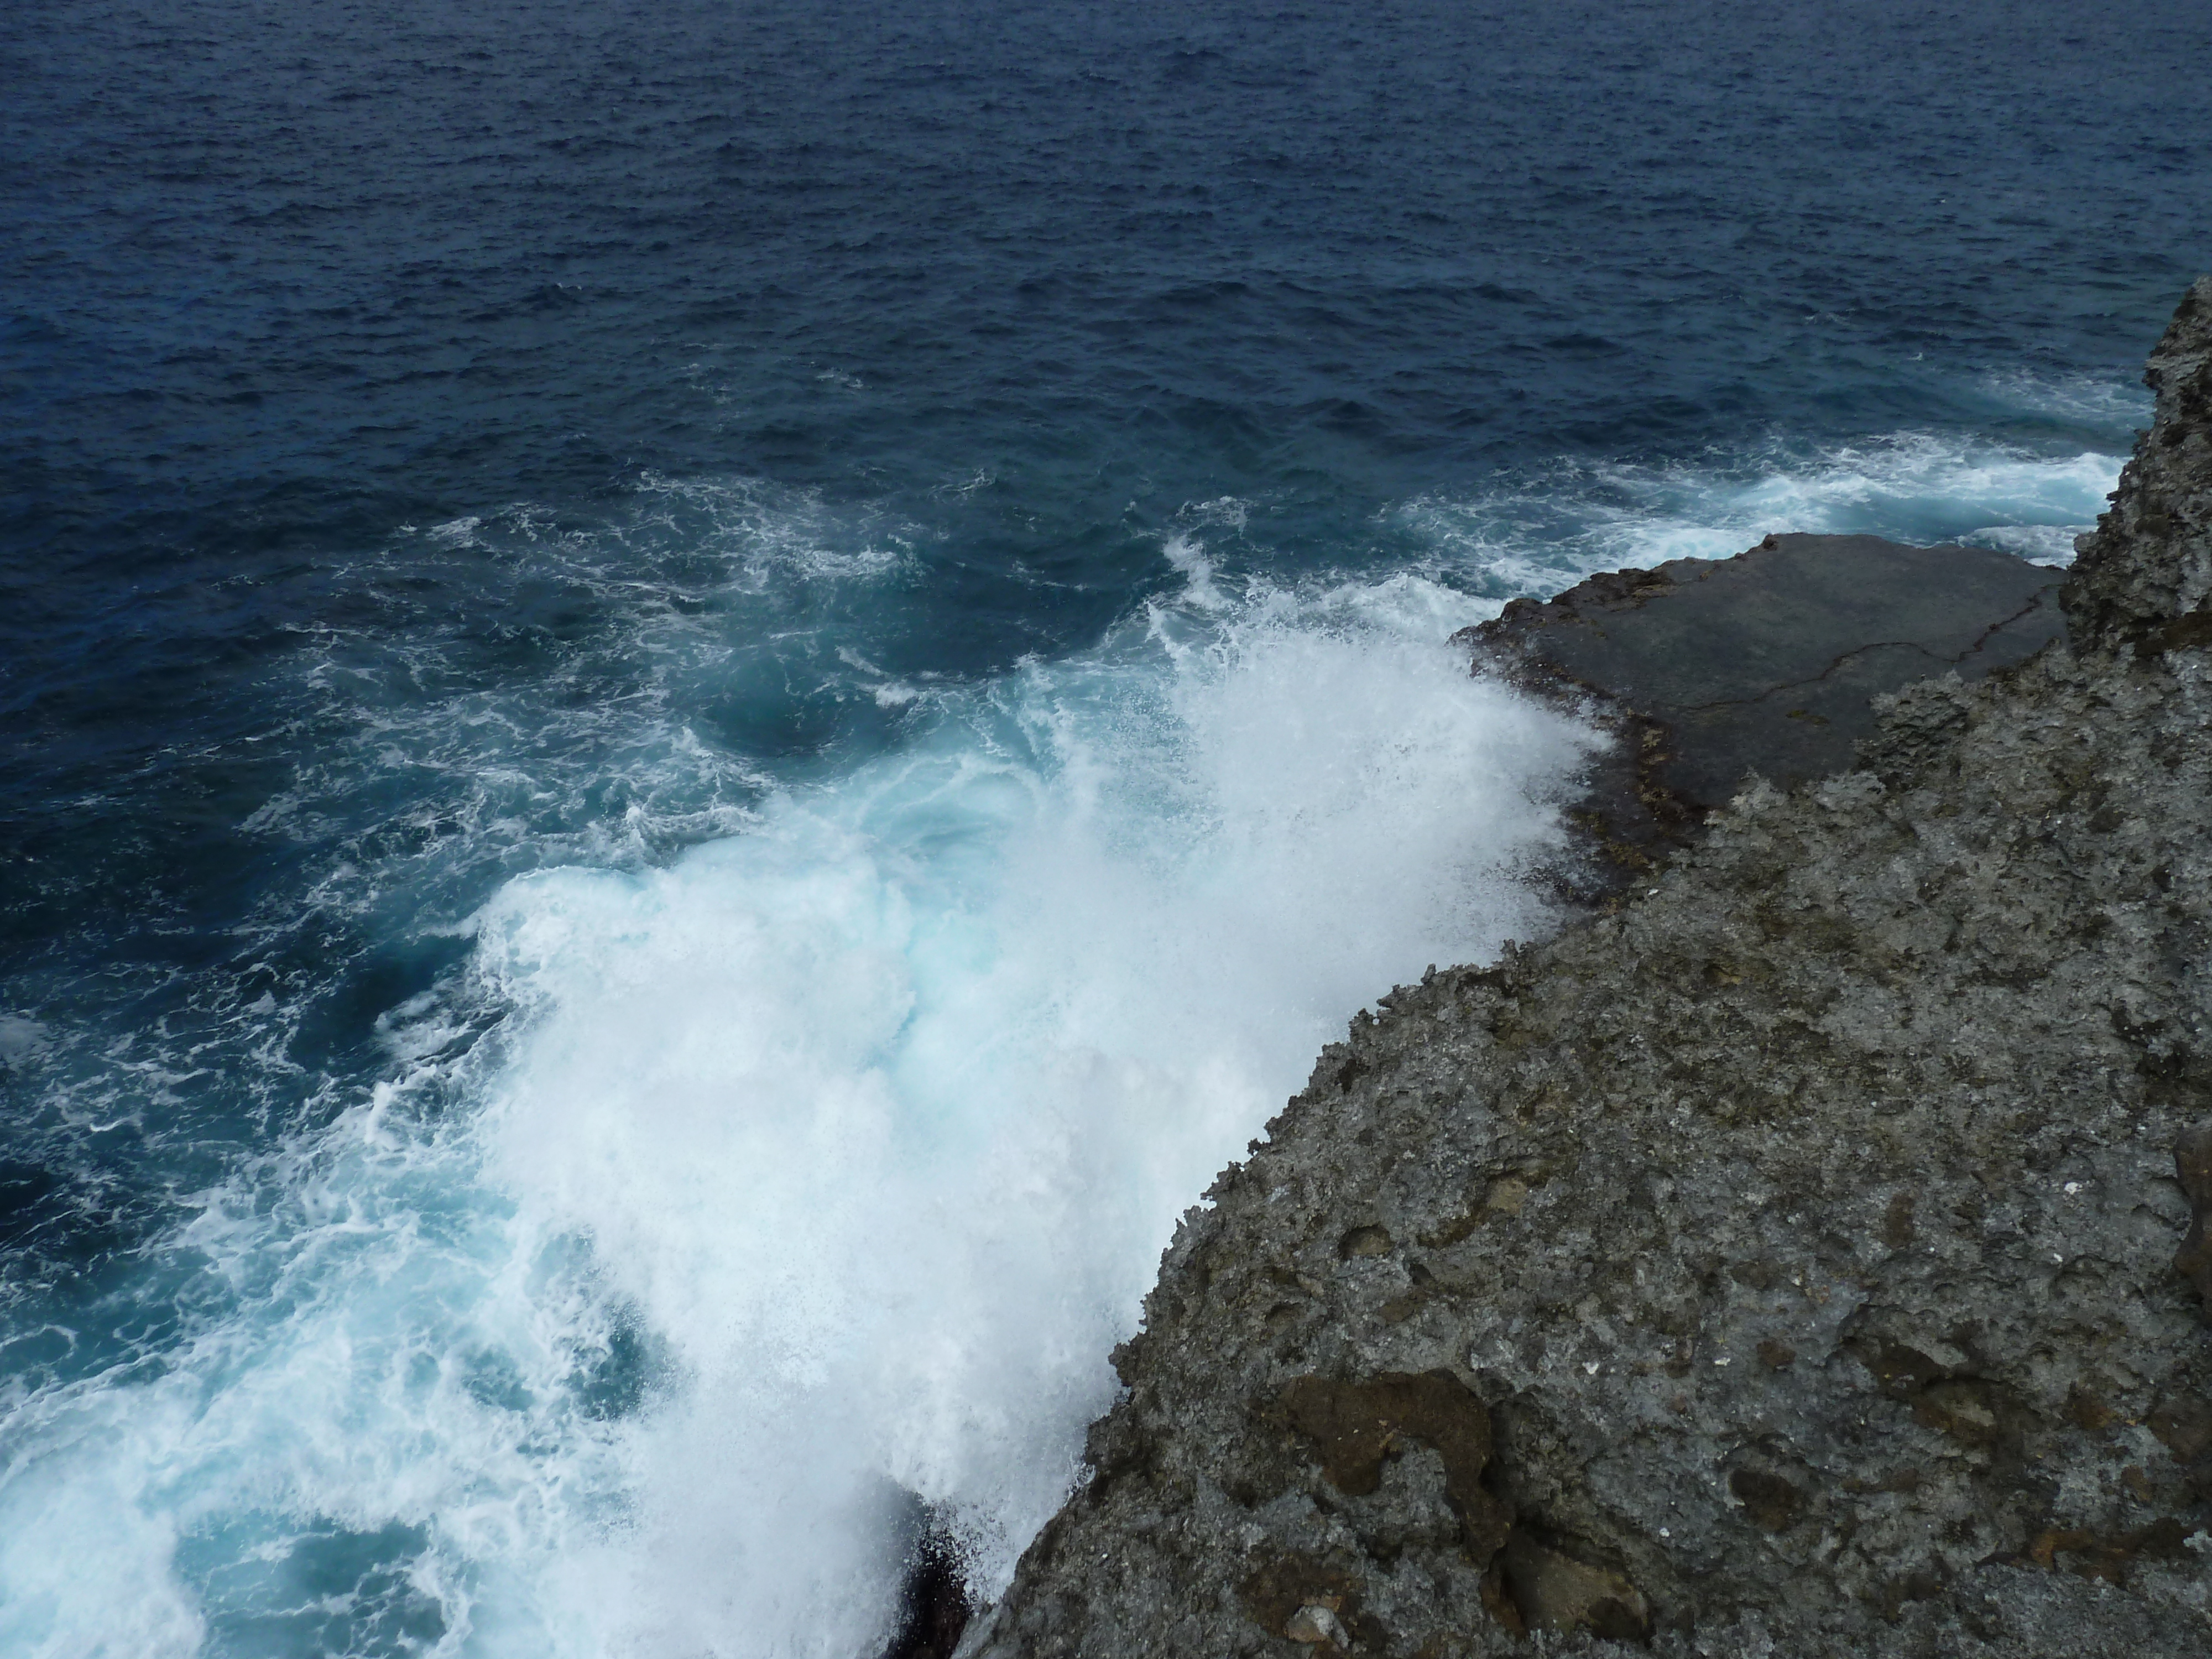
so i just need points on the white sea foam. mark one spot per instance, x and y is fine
(833, 1154)
(1544, 533)
(716, 1196)
(20, 1036)
(2038, 543)
(2094, 402)
(881, 1114)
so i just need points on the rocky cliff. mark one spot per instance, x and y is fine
(1808, 1258)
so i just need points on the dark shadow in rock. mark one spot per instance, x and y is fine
(1558, 1591)
(1706, 671)
(2192, 1162)
(934, 1606)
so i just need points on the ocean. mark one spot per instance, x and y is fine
(698, 701)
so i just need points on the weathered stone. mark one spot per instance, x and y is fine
(2142, 578)
(1316, 1621)
(1356, 1426)
(1555, 1592)
(1710, 672)
(1804, 1232)
(1365, 1241)
(1286, 1596)
(1770, 1500)
(2192, 1159)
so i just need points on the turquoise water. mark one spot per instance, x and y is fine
(701, 701)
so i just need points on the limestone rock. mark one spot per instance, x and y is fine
(2143, 577)
(1783, 1265)
(1708, 672)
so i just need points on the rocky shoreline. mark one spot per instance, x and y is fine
(1807, 1257)
(1704, 672)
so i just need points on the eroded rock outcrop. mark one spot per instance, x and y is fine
(1703, 671)
(1805, 1259)
(2143, 581)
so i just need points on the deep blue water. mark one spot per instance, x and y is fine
(697, 699)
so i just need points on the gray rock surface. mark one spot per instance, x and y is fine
(2144, 579)
(1806, 1260)
(1707, 671)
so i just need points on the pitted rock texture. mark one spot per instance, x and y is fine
(1708, 671)
(2143, 580)
(1803, 1261)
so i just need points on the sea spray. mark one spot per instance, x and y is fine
(879, 1117)
(708, 1203)
(706, 1200)
(1544, 530)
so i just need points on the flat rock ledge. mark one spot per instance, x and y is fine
(1809, 1258)
(1706, 671)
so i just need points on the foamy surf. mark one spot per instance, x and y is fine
(1544, 533)
(718, 1199)
(711, 1202)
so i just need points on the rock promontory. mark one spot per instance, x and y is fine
(1809, 1256)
